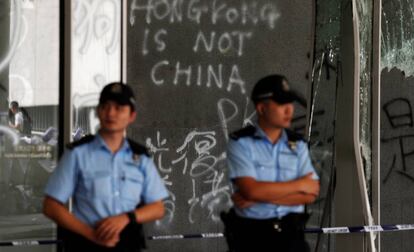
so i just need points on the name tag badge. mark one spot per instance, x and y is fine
(135, 158)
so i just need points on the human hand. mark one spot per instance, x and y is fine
(309, 185)
(108, 243)
(109, 228)
(240, 201)
(90, 234)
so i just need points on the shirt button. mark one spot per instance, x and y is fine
(116, 193)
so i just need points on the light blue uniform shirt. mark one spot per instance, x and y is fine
(103, 184)
(255, 156)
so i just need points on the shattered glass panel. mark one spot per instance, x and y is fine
(321, 132)
(398, 35)
(397, 122)
(325, 81)
(364, 8)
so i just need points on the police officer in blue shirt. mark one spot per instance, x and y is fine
(113, 182)
(272, 174)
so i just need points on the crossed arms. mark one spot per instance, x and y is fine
(295, 192)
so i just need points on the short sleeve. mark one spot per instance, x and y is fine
(305, 163)
(18, 119)
(239, 161)
(154, 188)
(62, 182)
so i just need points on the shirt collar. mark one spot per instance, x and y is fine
(262, 135)
(99, 142)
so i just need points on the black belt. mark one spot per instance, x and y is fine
(293, 222)
(259, 224)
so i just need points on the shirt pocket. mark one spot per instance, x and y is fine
(288, 163)
(131, 184)
(98, 184)
(265, 170)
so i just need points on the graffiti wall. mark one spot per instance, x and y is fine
(192, 65)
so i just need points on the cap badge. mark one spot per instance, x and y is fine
(117, 88)
(285, 86)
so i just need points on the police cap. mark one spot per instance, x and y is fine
(276, 88)
(119, 93)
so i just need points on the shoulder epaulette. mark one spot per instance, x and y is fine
(137, 148)
(84, 140)
(244, 132)
(294, 136)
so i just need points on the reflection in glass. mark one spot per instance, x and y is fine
(29, 79)
(96, 58)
